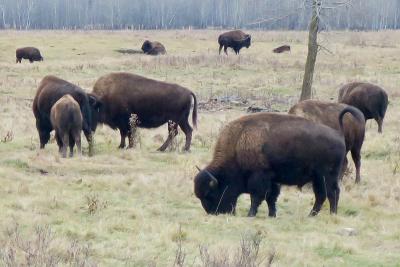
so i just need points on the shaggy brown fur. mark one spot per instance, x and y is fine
(282, 49)
(327, 114)
(371, 99)
(66, 119)
(30, 53)
(153, 48)
(235, 40)
(154, 102)
(50, 90)
(257, 153)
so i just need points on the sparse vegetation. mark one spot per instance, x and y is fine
(149, 194)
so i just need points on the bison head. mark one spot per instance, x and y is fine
(247, 40)
(216, 197)
(147, 46)
(95, 106)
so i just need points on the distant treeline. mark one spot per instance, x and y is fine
(177, 14)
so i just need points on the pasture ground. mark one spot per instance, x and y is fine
(137, 208)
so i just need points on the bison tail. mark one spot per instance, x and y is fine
(194, 113)
(353, 111)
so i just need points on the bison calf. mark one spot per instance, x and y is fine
(371, 99)
(257, 153)
(235, 40)
(66, 119)
(153, 48)
(327, 114)
(30, 53)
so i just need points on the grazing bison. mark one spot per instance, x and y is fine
(282, 49)
(235, 40)
(31, 53)
(153, 48)
(154, 102)
(66, 119)
(370, 99)
(257, 153)
(327, 114)
(50, 90)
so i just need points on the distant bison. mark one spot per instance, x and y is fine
(235, 40)
(154, 102)
(327, 114)
(257, 153)
(153, 48)
(50, 90)
(282, 49)
(30, 53)
(66, 119)
(371, 99)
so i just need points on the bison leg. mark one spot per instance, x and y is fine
(59, 142)
(255, 203)
(379, 120)
(77, 139)
(319, 188)
(124, 134)
(172, 132)
(220, 48)
(65, 141)
(71, 145)
(225, 50)
(344, 168)
(333, 191)
(271, 199)
(355, 154)
(185, 126)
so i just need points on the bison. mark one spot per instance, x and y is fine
(327, 114)
(371, 99)
(153, 48)
(30, 53)
(50, 90)
(282, 49)
(119, 95)
(257, 153)
(235, 40)
(66, 119)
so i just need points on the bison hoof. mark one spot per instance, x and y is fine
(313, 213)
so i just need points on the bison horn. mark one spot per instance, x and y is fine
(214, 182)
(197, 167)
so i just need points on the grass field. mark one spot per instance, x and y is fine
(137, 208)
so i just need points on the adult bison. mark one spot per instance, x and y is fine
(154, 102)
(30, 53)
(371, 99)
(235, 40)
(281, 49)
(50, 90)
(66, 119)
(153, 48)
(327, 114)
(257, 153)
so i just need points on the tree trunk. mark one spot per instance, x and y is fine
(306, 91)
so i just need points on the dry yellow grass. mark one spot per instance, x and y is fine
(126, 207)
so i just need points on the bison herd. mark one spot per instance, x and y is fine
(254, 154)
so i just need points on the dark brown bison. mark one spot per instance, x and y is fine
(235, 40)
(327, 114)
(30, 53)
(371, 99)
(66, 119)
(50, 90)
(257, 153)
(153, 48)
(154, 102)
(282, 49)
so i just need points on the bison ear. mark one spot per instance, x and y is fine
(94, 101)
